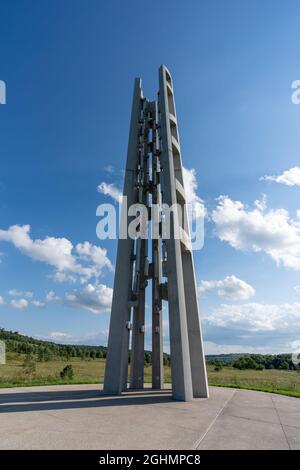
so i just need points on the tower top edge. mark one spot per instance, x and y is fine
(164, 67)
(138, 82)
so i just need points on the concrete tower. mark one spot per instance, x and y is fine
(154, 179)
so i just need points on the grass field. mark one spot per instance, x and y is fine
(92, 371)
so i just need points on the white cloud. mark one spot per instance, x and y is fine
(17, 293)
(231, 288)
(261, 204)
(58, 335)
(60, 276)
(190, 187)
(38, 304)
(109, 169)
(58, 252)
(273, 232)
(2, 301)
(254, 317)
(109, 189)
(95, 298)
(297, 289)
(295, 345)
(211, 347)
(93, 253)
(289, 177)
(19, 304)
(52, 297)
(93, 339)
(55, 251)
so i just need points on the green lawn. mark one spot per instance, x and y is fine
(92, 371)
(286, 382)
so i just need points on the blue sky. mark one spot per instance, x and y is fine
(69, 68)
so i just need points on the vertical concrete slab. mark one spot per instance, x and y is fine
(179, 345)
(157, 323)
(198, 366)
(138, 340)
(115, 379)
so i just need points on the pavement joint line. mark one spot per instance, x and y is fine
(283, 430)
(290, 426)
(254, 419)
(197, 443)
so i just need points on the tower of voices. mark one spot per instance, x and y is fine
(154, 176)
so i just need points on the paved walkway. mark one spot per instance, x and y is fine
(81, 417)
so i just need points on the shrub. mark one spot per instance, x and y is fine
(246, 362)
(29, 365)
(67, 372)
(93, 354)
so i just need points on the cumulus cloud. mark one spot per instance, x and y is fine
(20, 304)
(59, 253)
(61, 276)
(94, 254)
(17, 293)
(52, 297)
(273, 232)
(190, 187)
(289, 177)
(109, 189)
(95, 298)
(254, 317)
(231, 288)
(23, 302)
(297, 289)
(14, 293)
(55, 251)
(38, 304)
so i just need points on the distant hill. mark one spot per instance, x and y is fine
(22, 344)
(228, 358)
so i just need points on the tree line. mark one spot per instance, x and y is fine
(47, 350)
(257, 362)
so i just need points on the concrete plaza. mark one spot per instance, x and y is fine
(82, 417)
